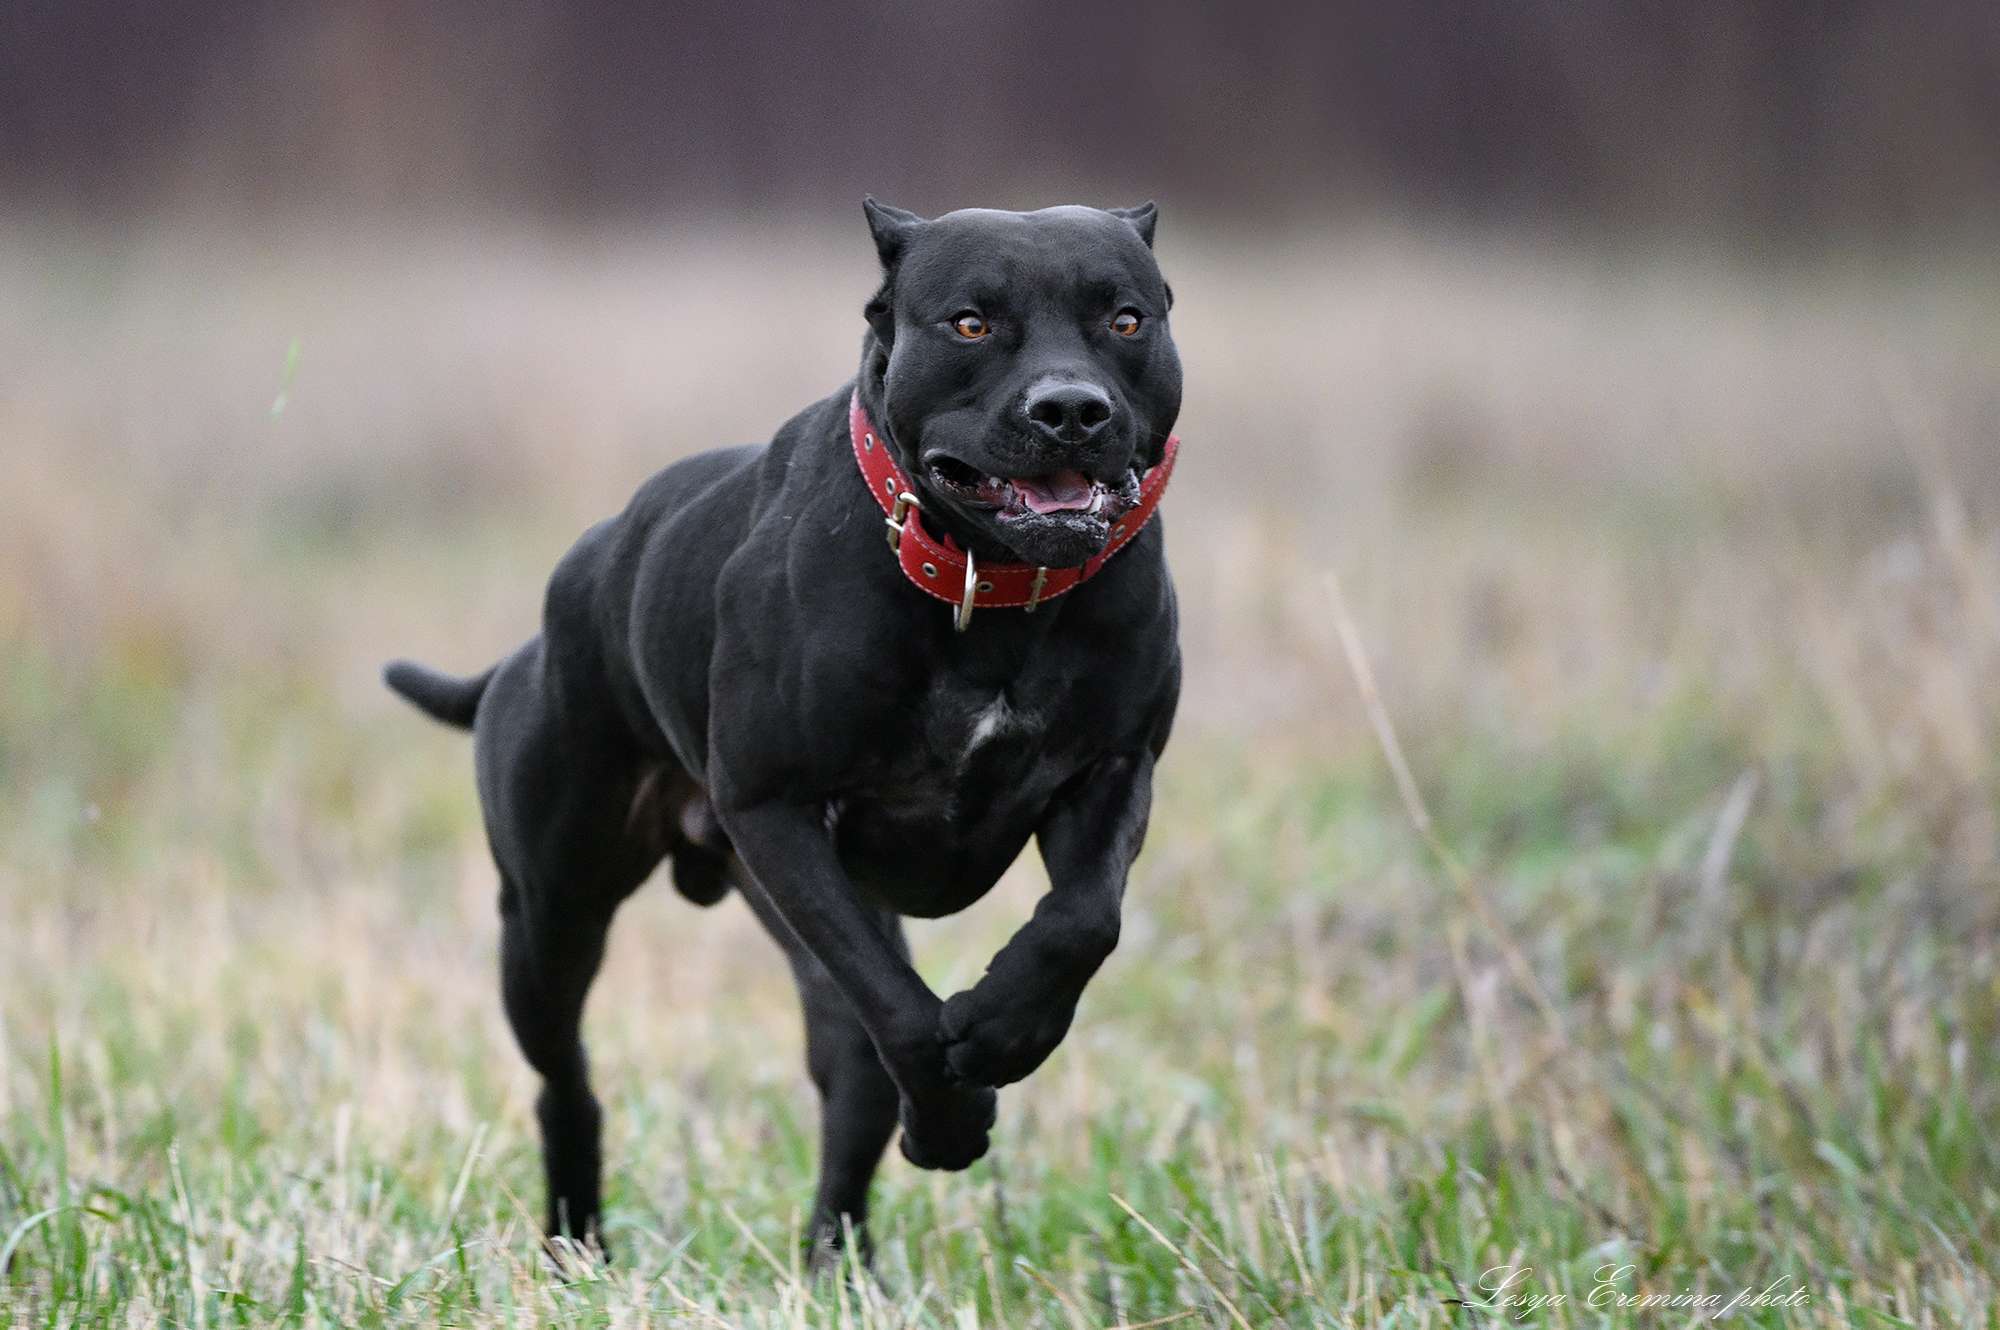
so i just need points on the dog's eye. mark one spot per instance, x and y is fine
(1126, 323)
(970, 326)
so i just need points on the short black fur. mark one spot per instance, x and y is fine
(734, 675)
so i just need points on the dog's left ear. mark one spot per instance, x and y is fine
(1142, 219)
(891, 227)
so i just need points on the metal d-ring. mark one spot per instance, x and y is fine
(964, 615)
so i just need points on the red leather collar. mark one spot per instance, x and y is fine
(936, 565)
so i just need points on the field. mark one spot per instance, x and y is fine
(1673, 972)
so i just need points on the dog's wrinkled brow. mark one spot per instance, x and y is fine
(1101, 290)
(986, 279)
(985, 293)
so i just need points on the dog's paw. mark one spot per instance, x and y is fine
(951, 1131)
(572, 1259)
(987, 1042)
(828, 1255)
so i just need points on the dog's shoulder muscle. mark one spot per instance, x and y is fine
(595, 602)
(659, 601)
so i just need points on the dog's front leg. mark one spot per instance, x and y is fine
(1008, 1023)
(790, 855)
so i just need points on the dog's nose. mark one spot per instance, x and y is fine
(1068, 412)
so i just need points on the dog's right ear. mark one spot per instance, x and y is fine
(891, 227)
(1144, 219)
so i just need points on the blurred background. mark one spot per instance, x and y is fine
(1779, 124)
(1636, 368)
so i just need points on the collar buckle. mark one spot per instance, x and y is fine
(897, 515)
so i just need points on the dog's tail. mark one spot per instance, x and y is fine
(444, 697)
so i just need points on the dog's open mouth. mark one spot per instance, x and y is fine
(1067, 494)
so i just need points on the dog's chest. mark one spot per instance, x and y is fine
(964, 747)
(959, 787)
(960, 719)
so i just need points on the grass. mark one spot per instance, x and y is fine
(1679, 587)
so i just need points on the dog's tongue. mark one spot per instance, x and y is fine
(1065, 491)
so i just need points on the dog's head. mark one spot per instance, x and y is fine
(1022, 366)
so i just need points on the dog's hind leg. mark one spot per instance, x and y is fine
(557, 781)
(857, 1098)
(857, 1112)
(546, 967)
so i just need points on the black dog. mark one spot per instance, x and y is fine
(736, 674)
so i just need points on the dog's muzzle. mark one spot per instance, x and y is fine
(940, 569)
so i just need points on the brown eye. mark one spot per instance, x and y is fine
(970, 326)
(1126, 323)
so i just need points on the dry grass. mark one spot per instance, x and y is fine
(1681, 582)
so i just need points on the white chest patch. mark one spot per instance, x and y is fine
(993, 719)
